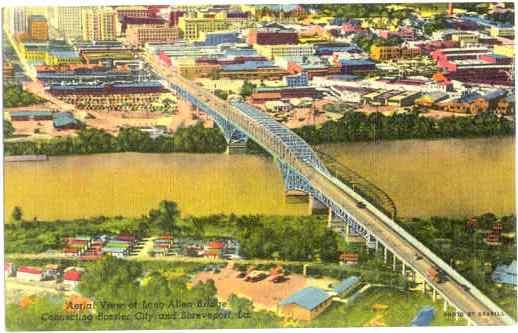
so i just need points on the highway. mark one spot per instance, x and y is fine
(476, 308)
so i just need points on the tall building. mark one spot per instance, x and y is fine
(272, 36)
(18, 19)
(133, 11)
(69, 22)
(99, 23)
(193, 26)
(141, 34)
(38, 28)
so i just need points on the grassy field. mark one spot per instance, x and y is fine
(401, 308)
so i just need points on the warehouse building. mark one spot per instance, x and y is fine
(306, 304)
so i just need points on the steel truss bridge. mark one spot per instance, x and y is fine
(303, 171)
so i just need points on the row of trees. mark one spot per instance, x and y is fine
(291, 238)
(15, 96)
(8, 129)
(438, 22)
(288, 238)
(357, 126)
(196, 139)
(462, 245)
(368, 40)
(363, 11)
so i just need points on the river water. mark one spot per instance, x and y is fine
(442, 177)
(452, 177)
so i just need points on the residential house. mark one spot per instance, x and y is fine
(27, 273)
(71, 279)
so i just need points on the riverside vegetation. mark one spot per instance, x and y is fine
(294, 239)
(352, 127)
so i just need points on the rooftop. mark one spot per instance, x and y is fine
(308, 298)
(346, 284)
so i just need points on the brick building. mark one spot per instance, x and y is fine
(272, 36)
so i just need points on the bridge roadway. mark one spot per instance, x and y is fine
(477, 309)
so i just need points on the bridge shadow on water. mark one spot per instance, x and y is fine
(375, 195)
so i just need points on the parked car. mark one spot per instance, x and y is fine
(241, 275)
(258, 277)
(279, 279)
(232, 257)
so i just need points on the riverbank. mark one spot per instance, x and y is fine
(359, 127)
(352, 127)
(195, 139)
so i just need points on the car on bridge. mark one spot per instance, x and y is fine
(360, 204)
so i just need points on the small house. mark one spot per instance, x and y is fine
(349, 258)
(215, 249)
(27, 273)
(306, 304)
(71, 279)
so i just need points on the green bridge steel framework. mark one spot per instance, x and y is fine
(303, 170)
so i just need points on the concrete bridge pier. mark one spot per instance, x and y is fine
(234, 148)
(315, 207)
(393, 262)
(385, 253)
(296, 196)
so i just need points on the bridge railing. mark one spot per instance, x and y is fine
(429, 254)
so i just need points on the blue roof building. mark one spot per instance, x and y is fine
(31, 115)
(220, 37)
(505, 274)
(297, 80)
(346, 284)
(305, 304)
(424, 317)
(64, 120)
(248, 65)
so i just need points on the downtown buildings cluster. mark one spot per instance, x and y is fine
(290, 61)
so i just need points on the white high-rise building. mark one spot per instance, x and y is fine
(69, 22)
(99, 23)
(18, 19)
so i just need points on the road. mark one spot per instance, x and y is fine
(464, 300)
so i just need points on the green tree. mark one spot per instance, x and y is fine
(165, 218)
(110, 277)
(8, 129)
(328, 246)
(247, 89)
(221, 94)
(17, 215)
